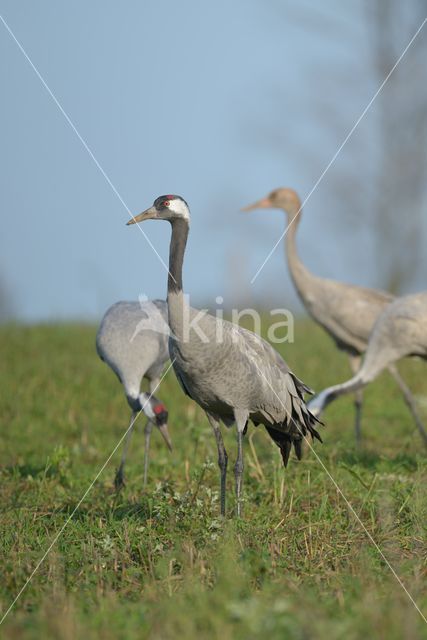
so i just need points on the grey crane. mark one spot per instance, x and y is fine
(400, 330)
(232, 373)
(347, 312)
(133, 340)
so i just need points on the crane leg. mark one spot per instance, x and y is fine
(154, 383)
(147, 431)
(410, 401)
(241, 421)
(222, 457)
(358, 401)
(119, 480)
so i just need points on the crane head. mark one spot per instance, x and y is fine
(169, 207)
(161, 419)
(156, 411)
(284, 198)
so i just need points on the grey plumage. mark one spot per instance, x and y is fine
(400, 331)
(133, 340)
(232, 373)
(347, 312)
(242, 371)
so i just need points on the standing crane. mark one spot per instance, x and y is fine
(400, 330)
(133, 340)
(347, 312)
(232, 373)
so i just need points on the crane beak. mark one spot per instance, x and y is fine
(163, 428)
(148, 214)
(265, 203)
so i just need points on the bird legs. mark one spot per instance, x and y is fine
(241, 418)
(119, 480)
(147, 431)
(154, 383)
(410, 401)
(222, 456)
(358, 400)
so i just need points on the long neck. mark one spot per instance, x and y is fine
(325, 397)
(178, 309)
(299, 273)
(180, 229)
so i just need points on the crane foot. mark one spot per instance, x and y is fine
(119, 480)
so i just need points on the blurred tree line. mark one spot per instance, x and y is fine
(379, 182)
(401, 177)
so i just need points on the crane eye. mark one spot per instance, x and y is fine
(166, 203)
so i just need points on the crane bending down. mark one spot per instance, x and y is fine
(401, 330)
(347, 312)
(133, 340)
(232, 373)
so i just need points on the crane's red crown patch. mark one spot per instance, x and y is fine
(159, 408)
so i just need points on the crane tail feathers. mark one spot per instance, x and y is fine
(316, 434)
(301, 386)
(285, 450)
(298, 449)
(298, 424)
(283, 441)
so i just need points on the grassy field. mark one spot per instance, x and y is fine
(161, 563)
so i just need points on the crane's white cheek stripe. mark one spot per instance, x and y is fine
(144, 399)
(179, 208)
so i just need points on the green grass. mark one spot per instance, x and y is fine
(161, 563)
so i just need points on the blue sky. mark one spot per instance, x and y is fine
(218, 102)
